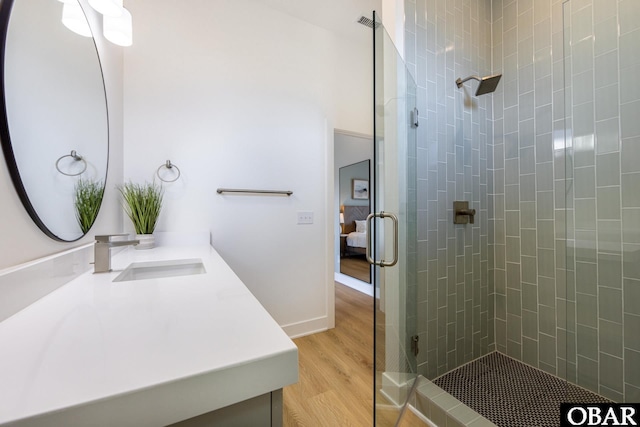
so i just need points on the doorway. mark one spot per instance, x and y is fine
(353, 154)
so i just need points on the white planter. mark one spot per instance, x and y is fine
(147, 241)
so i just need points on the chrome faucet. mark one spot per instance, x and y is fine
(102, 251)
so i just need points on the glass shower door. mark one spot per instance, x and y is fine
(393, 230)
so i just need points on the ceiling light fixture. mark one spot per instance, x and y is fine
(117, 23)
(107, 7)
(73, 18)
(118, 29)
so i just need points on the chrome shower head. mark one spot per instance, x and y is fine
(487, 84)
(367, 22)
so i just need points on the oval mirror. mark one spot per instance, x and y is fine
(53, 124)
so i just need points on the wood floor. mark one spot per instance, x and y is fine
(356, 266)
(336, 369)
(335, 386)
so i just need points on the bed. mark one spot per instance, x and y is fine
(355, 229)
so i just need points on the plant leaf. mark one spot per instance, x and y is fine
(142, 204)
(87, 200)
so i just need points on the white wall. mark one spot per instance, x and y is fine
(20, 239)
(240, 95)
(393, 19)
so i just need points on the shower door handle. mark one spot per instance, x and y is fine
(394, 219)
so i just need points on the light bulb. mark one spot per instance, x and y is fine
(118, 29)
(73, 18)
(107, 7)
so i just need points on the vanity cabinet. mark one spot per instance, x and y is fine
(261, 411)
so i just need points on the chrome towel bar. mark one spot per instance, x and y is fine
(239, 190)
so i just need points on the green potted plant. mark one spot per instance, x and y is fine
(87, 199)
(142, 203)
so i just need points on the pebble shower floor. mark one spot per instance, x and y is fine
(512, 394)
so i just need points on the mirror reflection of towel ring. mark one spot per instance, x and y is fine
(170, 166)
(75, 156)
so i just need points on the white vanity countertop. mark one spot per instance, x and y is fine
(140, 353)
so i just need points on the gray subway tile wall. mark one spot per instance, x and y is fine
(550, 274)
(455, 146)
(595, 48)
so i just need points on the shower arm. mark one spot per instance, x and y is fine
(459, 82)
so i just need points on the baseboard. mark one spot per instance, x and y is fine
(358, 285)
(396, 386)
(306, 327)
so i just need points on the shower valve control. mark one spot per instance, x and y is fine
(462, 214)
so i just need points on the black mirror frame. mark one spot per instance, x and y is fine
(5, 138)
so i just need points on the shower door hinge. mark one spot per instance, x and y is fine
(414, 118)
(414, 345)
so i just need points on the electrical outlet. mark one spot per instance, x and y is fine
(305, 217)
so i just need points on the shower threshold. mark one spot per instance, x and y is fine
(502, 391)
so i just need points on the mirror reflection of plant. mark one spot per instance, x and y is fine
(142, 203)
(87, 200)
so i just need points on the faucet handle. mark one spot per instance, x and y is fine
(106, 238)
(462, 214)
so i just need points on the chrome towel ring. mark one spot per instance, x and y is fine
(75, 156)
(170, 166)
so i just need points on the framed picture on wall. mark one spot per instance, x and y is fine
(360, 189)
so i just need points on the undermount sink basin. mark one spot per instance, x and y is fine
(161, 269)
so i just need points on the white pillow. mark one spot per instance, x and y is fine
(361, 226)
